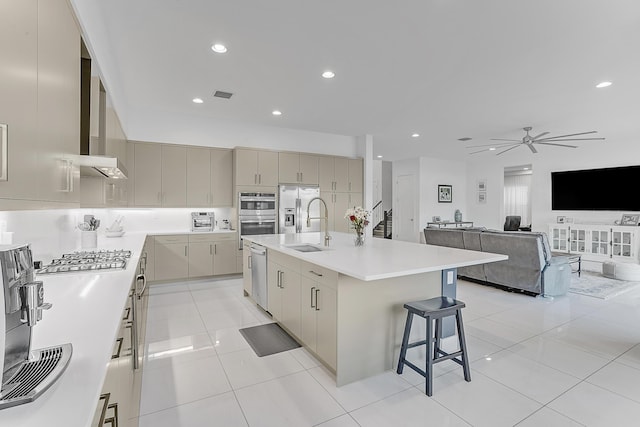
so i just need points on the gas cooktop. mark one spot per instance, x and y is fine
(87, 261)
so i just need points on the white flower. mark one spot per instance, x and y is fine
(358, 217)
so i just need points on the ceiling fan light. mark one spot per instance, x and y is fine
(603, 84)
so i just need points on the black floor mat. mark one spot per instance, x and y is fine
(268, 339)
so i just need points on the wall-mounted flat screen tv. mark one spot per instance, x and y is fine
(609, 189)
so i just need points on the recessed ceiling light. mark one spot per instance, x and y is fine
(492, 149)
(197, 100)
(415, 135)
(379, 157)
(219, 48)
(603, 84)
(276, 112)
(525, 169)
(328, 74)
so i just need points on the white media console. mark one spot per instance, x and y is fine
(596, 242)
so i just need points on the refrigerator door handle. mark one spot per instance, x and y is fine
(299, 215)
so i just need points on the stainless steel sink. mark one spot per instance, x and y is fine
(305, 248)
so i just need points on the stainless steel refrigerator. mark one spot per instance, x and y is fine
(292, 208)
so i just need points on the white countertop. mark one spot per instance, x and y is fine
(87, 310)
(378, 258)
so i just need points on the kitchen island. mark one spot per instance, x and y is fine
(345, 303)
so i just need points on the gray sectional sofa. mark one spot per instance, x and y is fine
(530, 268)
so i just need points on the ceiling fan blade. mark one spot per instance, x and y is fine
(538, 136)
(479, 151)
(571, 139)
(499, 139)
(508, 149)
(493, 145)
(558, 145)
(532, 148)
(572, 134)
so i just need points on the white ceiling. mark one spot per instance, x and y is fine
(443, 68)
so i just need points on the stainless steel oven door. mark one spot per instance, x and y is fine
(256, 225)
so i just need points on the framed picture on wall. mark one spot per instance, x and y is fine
(445, 193)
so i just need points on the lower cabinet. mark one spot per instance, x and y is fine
(319, 313)
(119, 402)
(246, 267)
(303, 298)
(171, 257)
(211, 254)
(283, 298)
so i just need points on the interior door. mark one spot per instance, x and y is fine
(404, 210)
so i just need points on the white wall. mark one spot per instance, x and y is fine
(589, 155)
(175, 128)
(434, 172)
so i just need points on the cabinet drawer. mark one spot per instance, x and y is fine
(319, 274)
(218, 237)
(207, 237)
(284, 260)
(175, 238)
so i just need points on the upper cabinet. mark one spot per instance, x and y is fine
(298, 168)
(209, 177)
(340, 174)
(40, 104)
(166, 175)
(256, 167)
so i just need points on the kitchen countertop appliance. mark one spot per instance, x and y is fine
(292, 212)
(202, 221)
(87, 261)
(26, 373)
(256, 214)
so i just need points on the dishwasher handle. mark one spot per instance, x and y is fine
(258, 250)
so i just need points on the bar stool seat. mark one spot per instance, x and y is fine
(434, 309)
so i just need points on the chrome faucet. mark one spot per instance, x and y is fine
(326, 219)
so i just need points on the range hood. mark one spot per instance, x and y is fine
(102, 166)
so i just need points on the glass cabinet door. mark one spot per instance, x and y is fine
(600, 242)
(578, 240)
(559, 239)
(621, 243)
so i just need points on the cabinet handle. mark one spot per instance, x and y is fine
(349, 186)
(312, 306)
(249, 261)
(317, 305)
(112, 420)
(215, 248)
(255, 178)
(119, 341)
(210, 249)
(185, 251)
(317, 274)
(281, 276)
(103, 413)
(128, 310)
(259, 178)
(334, 185)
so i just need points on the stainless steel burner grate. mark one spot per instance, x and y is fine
(87, 261)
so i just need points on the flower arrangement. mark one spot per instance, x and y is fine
(359, 219)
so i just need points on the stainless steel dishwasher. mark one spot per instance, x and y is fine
(259, 275)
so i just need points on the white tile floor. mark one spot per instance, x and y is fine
(570, 361)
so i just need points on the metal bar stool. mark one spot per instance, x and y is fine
(434, 309)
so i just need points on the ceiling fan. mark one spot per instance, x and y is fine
(529, 141)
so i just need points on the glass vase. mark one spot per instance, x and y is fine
(359, 239)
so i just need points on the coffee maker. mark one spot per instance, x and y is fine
(26, 374)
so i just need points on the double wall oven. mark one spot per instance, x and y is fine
(256, 214)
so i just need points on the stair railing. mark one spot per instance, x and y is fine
(377, 215)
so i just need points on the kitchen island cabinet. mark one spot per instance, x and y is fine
(358, 293)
